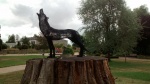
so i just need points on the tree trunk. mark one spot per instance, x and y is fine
(73, 70)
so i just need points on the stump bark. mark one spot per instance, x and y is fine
(73, 70)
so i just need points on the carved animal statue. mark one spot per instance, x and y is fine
(55, 34)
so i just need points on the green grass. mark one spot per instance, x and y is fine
(131, 72)
(6, 61)
(11, 78)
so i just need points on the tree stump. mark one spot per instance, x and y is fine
(73, 70)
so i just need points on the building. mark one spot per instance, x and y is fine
(33, 40)
(10, 45)
(63, 42)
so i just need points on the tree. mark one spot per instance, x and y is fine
(18, 45)
(1, 43)
(11, 39)
(104, 25)
(4, 46)
(143, 46)
(25, 42)
(42, 42)
(141, 11)
(128, 32)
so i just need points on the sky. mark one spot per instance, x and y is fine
(19, 17)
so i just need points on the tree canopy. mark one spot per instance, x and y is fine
(143, 46)
(141, 11)
(11, 39)
(109, 26)
(42, 42)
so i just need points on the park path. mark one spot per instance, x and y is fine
(12, 69)
(19, 67)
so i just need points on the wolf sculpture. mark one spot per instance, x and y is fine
(54, 34)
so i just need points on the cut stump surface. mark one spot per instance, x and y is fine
(73, 70)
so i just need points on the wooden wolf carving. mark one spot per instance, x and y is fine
(55, 34)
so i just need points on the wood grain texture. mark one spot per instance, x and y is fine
(73, 70)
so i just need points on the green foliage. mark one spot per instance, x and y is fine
(143, 46)
(25, 43)
(1, 43)
(68, 50)
(141, 11)
(110, 26)
(4, 46)
(128, 32)
(19, 46)
(25, 40)
(11, 39)
(42, 42)
(24, 46)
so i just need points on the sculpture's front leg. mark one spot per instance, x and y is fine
(53, 50)
(50, 47)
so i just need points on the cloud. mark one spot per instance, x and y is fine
(25, 14)
(12, 22)
(18, 13)
(60, 13)
(3, 1)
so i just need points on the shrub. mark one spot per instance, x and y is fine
(68, 50)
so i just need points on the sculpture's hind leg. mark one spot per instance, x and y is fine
(52, 48)
(49, 45)
(80, 44)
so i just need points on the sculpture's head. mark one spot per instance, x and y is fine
(42, 16)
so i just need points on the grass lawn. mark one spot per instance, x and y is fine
(11, 78)
(132, 72)
(6, 61)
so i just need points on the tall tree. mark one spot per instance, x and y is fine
(142, 11)
(1, 43)
(11, 39)
(42, 42)
(143, 46)
(128, 32)
(103, 27)
(25, 42)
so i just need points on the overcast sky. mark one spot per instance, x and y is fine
(19, 16)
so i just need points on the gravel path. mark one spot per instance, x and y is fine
(12, 69)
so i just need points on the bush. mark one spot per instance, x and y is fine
(4, 46)
(68, 50)
(24, 46)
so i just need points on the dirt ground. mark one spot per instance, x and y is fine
(12, 69)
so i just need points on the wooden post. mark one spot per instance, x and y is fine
(73, 70)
